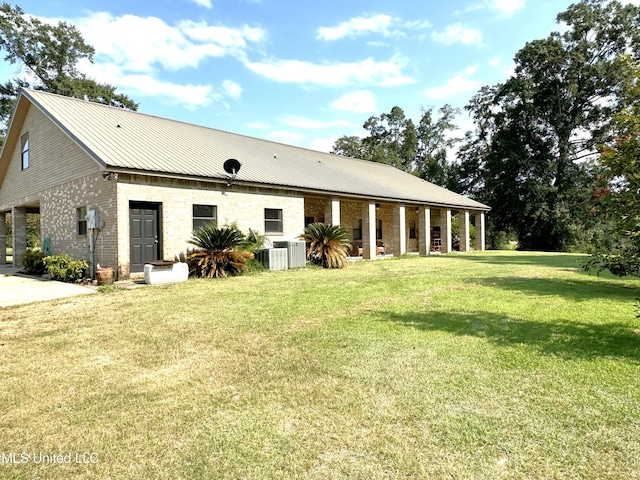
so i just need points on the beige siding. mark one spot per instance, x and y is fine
(235, 204)
(54, 159)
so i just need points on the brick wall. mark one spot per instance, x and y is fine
(59, 218)
(244, 205)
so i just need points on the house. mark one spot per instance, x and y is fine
(153, 181)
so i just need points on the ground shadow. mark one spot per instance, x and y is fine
(560, 260)
(558, 337)
(579, 288)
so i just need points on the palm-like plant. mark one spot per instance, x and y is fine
(216, 254)
(328, 245)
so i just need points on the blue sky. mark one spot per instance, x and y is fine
(301, 73)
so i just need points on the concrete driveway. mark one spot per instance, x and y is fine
(16, 290)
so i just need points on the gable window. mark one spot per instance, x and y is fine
(273, 220)
(24, 140)
(81, 214)
(203, 214)
(357, 229)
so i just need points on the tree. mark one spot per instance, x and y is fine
(540, 126)
(617, 195)
(49, 57)
(394, 139)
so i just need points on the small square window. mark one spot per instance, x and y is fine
(24, 140)
(273, 220)
(81, 213)
(203, 214)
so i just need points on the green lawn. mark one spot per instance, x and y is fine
(487, 366)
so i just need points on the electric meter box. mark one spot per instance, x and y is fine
(93, 218)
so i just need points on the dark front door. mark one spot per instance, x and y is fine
(145, 234)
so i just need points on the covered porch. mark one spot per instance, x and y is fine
(19, 239)
(383, 227)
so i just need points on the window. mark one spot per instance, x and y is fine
(379, 229)
(412, 229)
(25, 151)
(273, 220)
(203, 214)
(309, 220)
(81, 213)
(357, 229)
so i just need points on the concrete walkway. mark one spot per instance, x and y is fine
(18, 289)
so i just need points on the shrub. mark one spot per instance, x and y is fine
(216, 253)
(328, 245)
(63, 268)
(32, 262)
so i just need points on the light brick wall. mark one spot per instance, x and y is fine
(59, 218)
(54, 159)
(244, 205)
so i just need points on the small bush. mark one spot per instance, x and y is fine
(32, 262)
(63, 268)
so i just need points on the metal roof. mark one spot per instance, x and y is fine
(126, 140)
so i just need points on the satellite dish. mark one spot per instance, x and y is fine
(232, 167)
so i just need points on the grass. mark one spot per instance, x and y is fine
(491, 365)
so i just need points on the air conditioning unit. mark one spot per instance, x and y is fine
(272, 258)
(296, 252)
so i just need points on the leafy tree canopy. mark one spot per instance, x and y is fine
(533, 132)
(396, 140)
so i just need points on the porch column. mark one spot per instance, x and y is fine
(399, 230)
(424, 229)
(480, 234)
(369, 231)
(19, 222)
(332, 211)
(465, 243)
(3, 239)
(445, 229)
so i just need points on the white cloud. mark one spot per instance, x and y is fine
(495, 61)
(458, 33)
(362, 101)
(132, 50)
(289, 138)
(507, 7)
(203, 3)
(357, 26)
(301, 122)
(460, 84)
(232, 89)
(369, 72)
(324, 144)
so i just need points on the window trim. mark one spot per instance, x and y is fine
(279, 222)
(201, 219)
(24, 151)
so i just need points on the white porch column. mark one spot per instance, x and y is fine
(369, 231)
(445, 229)
(424, 231)
(399, 230)
(19, 223)
(480, 233)
(465, 243)
(3, 239)
(332, 211)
